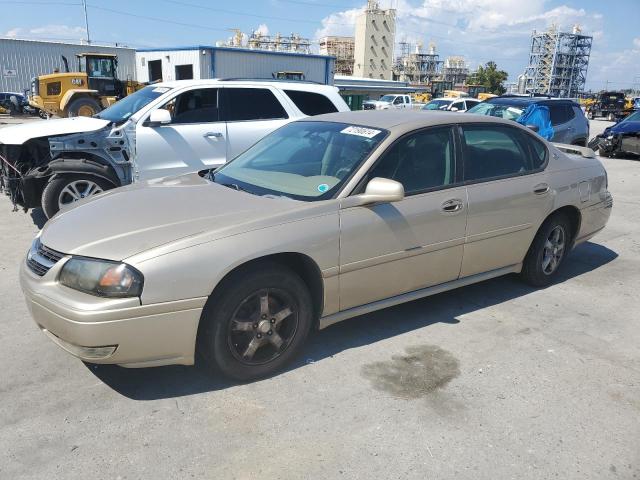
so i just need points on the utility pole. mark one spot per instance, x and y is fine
(86, 21)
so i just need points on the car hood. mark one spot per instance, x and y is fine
(625, 127)
(376, 102)
(170, 213)
(18, 134)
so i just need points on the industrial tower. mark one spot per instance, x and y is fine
(558, 63)
(375, 37)
(417, 66)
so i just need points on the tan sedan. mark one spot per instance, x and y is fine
(324, 219)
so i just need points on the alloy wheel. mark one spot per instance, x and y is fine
(553, 252)
(77, 190)
(262, 327)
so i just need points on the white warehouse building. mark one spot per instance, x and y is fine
(21, 60)
(204, 62)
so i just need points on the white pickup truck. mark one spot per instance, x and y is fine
(164, 129)
(387, 102)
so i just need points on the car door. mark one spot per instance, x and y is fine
(195, 139)
(508, 192)
(251, 113)
(393, 248)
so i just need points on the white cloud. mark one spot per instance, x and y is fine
(636, 42)
(262, 29)
(339, 23)
(481, 30)
(13, 33)
(48, 31)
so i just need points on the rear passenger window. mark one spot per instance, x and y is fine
(251, 104)
(491, 152)
(420, 161)
(560, 114)
(311, 103)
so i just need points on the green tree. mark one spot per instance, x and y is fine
(490, 77)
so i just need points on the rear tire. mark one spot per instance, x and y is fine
(547, 251)
(246, 331)
(611, 117)
(83, 107)
(66, 189)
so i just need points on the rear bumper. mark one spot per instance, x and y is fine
(115, 332)
(594, 218)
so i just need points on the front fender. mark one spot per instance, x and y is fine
(67, 97)
(85, 166)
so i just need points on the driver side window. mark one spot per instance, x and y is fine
(194, 106)
(421, 161)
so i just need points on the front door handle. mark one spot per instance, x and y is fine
(541, 189)
(212, 134)
(452, 206)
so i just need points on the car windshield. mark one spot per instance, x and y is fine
(121, 111)
(303, 160)
(387, 98)
(500, 110)
(437, 105)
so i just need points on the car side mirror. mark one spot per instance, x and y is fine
(454, 109)
(159, 117)
(379, 190)
(533, 128)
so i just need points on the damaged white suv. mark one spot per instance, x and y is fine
(164, 129)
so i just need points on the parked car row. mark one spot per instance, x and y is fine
(324, 219)
(317, 217)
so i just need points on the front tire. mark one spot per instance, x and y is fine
(256, 322)
(83, 107)
(547, 251)
(63, 190)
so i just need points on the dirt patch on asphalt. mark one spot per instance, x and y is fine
(423, 370)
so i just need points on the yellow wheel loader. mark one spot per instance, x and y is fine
(82, 93)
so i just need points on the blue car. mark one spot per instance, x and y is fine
(621, 139)
(567, 119)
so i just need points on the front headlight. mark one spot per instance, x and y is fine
(103, 278)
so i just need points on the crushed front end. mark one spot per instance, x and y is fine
(24, 172)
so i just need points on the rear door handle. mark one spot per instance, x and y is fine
(452, 206)
(541, 189)
(212, 134)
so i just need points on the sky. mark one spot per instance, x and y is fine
(480, 30)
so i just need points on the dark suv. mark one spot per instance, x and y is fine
(568, 121)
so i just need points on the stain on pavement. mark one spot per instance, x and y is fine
(424, 369)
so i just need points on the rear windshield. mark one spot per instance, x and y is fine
(500, 110)
(311, 103)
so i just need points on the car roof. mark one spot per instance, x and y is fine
(525, 101)
(403, 120)
(284, 85)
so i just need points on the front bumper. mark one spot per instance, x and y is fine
(90, 327)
